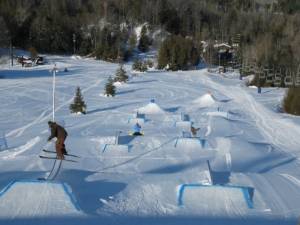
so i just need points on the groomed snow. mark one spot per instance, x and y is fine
(247, 142)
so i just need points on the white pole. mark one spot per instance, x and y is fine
(53, 93)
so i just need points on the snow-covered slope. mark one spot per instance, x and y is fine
(121, 179)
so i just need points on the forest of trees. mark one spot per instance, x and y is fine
(269, 30)
(49, 26)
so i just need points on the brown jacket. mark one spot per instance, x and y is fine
(57, 131)
(194, 130)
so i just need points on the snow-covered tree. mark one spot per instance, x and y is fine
(121, 75)
(78, 106)
(139, 65)
(110, 89)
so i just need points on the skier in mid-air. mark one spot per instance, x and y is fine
(61, 134)
(137, 129)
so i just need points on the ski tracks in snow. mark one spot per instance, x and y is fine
(282, 133)
(11, 154)
(47, 114)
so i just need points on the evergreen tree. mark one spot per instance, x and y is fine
(132, 41)
(121, 75)
(110, 89)
(4, 34)
(144, 40)
(179, 53)
(111, 45)
(138, 65)
(78, 105)
(128, 48)
(163, 55)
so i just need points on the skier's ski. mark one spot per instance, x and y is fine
(44, 150)
(47, 157)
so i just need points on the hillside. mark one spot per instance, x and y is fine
(161, 177)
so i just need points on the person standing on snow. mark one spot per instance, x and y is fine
(61, 134)
(137, 129)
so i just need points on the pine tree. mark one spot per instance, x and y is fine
(178, 52)
(121, 75)
(139, 65)
(132, 41)
(144, 40)
(110, 89)
(78, 105)
(163, 55)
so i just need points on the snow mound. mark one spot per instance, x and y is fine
(76, 57)
(151, 108)
(37, 199)
(204, 101)
(252, 86)
(118, 84)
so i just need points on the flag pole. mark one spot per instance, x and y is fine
(53, 92)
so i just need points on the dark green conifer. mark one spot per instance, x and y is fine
(78, 106)
(144, 40)
(121, 75)
(110, 89)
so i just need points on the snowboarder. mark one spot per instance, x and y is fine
(194, 130)
(137, 129)
(61, 134)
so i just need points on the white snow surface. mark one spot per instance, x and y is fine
(242, 134)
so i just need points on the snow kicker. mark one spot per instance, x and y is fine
(32, 198)
(200, 195)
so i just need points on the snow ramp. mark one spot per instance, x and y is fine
(216, 199)
(30, 198)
